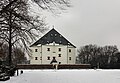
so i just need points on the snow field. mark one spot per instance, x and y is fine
(67, 76)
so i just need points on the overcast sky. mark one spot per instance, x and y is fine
(90, 22)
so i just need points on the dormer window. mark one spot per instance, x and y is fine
(51, 34)
(60, 35)
(55, 34)
(60, 42)
(47, 41)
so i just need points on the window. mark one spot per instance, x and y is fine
(51, 34)
(48, 58)
(59, 62)
(69, 50)
(47, 41)
(48, 49)
(40, 58)
(59, 49)
(36, 50)
(69, 58)
(60, 35)
(60, 42)
(59, 55)
(54, 52)
(55, 34)
(36, 58)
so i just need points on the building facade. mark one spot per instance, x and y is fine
(53, 46)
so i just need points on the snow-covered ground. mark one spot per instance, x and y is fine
(67, 76)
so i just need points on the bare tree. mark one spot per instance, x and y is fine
(110, 52)
(18, 55)
(87, 53)
(17, 27)
(43, 4)
(98, 56)
(3, 51)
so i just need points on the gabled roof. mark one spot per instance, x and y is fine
(52, 36)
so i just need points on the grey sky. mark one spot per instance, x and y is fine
(90, 22)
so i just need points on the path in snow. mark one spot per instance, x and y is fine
(67, 76)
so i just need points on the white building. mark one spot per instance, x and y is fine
(53, 47)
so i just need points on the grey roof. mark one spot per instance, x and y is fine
(53, 36)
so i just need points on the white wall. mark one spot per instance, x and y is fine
(71, 54)
(36, 54)
(54, 52)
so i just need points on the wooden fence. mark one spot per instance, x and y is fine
(50, 66)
